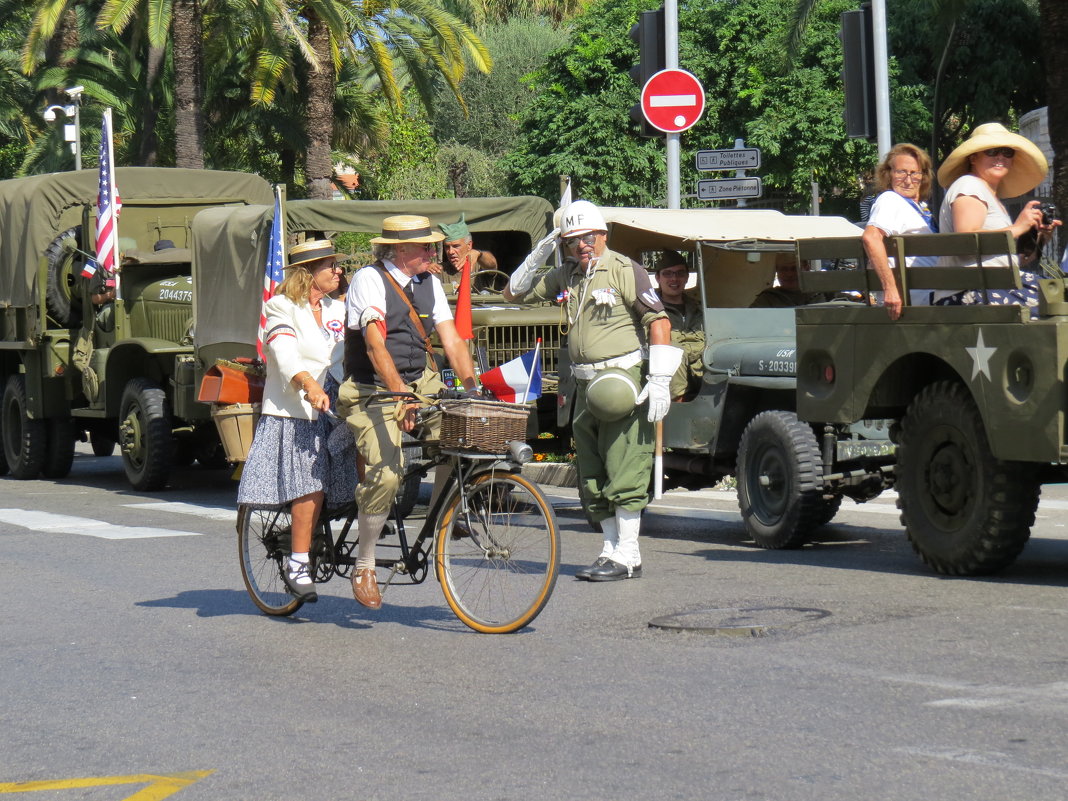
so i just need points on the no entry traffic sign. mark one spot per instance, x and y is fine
(673, 100)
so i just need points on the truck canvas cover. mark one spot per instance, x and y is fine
(34, 209)
(230, 247)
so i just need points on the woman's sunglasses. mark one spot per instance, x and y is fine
(1004, 152)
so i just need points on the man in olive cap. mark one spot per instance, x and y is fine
(459, 251)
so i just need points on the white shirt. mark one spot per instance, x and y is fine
(894, 215)
(365, 300)
(996, 217)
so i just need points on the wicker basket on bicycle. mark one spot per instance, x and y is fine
(482, 426)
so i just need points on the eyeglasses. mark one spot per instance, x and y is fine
(1005, 152)
(674, 274)
(914, 175)
(585, 239)
(333, 267)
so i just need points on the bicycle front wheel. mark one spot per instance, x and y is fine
(497, 559)
(263, 544)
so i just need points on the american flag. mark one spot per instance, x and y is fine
(272, 275)
(108, 205)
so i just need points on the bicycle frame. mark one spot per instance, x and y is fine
(335, 556)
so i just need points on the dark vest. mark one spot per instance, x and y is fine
(403, 341)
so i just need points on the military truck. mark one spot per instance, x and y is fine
(123, 372)
(742, 420)
(230, 250)
(976, 394)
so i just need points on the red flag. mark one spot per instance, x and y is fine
(463, 303)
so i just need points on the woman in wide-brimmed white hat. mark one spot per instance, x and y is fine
(993, 163)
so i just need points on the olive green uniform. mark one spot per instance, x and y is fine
(614, 459)
(688, 333)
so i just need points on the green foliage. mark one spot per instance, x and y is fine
(497, 101)
(579, 121)
(471, 172)
(406, 166)
(993, 66)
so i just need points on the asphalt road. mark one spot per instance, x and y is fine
(132, 658)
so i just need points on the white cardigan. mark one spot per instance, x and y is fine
(294, 343)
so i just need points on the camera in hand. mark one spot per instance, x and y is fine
(1049, 212)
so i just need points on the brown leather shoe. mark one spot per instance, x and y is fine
(365, 588)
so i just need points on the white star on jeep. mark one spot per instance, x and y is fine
(981, 357)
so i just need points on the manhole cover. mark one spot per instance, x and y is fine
(739, 621)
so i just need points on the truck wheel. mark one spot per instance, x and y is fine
(59, 455)
(965, 512)
(102, 444)
(64, 305)
(780, 474)
(145, 435)
(826, 510)
(25, 440)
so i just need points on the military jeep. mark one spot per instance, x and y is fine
(230, 250)
(742, 420)
(119, 373)
(976, 393)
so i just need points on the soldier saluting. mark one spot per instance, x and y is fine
(615, 316)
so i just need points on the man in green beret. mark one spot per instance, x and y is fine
(459, 250)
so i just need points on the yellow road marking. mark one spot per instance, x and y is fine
(159, 785)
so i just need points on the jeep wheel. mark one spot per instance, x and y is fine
(965, 512)
(61, 298)
(145, 435)
(780, 474)
(59, 455)
(101, 444)
(25, 440)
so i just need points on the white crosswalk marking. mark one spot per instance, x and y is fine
(68, 524)
(196, 510)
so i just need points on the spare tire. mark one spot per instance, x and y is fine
(64, 271)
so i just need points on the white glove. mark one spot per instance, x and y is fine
(664, 360)
(659, 394)
(604, 297)
(523, 277)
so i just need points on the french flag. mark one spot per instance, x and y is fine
(517, 381)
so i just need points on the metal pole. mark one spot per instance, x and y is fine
(882, 75)
(77, 132)
(672, 144)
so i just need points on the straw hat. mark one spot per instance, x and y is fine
(405, 228)
(312, 250)
(1028, 169)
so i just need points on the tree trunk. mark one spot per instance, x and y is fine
(1055, 56)
(318, 166)
(148, 154)
(186, 38)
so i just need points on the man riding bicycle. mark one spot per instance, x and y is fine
(392, 308)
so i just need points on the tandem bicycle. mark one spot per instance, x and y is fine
(491, 532)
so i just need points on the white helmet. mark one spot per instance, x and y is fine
(581, 217)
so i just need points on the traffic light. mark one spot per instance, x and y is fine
(648, 32)
(858, 72)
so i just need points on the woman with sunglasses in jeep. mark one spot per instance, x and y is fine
(993, 163)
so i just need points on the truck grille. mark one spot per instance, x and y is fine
(169, 321)
(503, 343)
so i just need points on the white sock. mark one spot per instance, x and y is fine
(610, 532)
(369, 527)
(296, 561)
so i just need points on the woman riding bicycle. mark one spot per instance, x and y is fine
(293, 457)
(393, 306)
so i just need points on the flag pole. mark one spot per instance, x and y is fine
(115, 210)
(533, 367)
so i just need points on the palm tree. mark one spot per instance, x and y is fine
(414, 41)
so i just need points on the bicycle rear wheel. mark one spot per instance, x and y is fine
(263, 545)
(497, 563)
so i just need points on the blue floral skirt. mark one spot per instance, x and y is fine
(1027, 296)
(290, 458)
